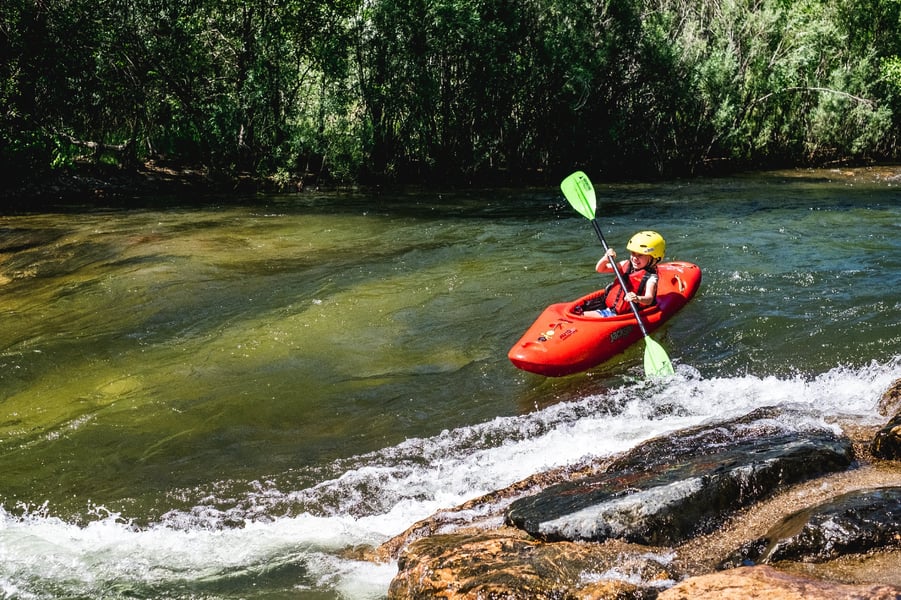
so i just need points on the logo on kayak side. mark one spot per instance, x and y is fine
(550, 333)
(553, 330)
(621, 333)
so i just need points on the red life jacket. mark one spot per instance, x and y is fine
(636, 281)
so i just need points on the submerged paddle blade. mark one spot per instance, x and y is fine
(656, 361)
(580, 193)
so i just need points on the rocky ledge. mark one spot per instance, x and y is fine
(775, 504)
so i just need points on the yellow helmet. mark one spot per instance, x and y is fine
(648, 242)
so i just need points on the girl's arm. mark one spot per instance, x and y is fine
(603, 265)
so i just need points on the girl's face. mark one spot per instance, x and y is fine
(639, 261)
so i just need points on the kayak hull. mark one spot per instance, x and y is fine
(561, 342)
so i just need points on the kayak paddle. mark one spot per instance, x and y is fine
(580, 193)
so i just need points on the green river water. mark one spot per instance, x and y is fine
(217, 400)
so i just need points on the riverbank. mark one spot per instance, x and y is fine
(107, 184)
(99, 184)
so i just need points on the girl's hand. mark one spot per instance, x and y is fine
(632, 297)
(603, 265)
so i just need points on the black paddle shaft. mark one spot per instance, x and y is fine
(619, 275)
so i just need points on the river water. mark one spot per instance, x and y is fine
(225, 400)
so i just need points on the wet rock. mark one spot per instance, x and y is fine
(486, 511)
(673, 487)
(887, 441)
(511, 565)
(853, 523)
(766, 582)
(890, 402)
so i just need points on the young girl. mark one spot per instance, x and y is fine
(640, 272)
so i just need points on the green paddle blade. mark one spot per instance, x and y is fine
(656, 362)
(580, 193)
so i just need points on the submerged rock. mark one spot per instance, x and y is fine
(673, 487)
(853, 523)
(767, 582)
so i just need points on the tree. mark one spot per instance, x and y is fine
(461, 90)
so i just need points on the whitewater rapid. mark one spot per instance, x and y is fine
(305, 535)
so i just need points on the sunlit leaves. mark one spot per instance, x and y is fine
(417, 89)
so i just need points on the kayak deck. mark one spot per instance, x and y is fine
(561, 342)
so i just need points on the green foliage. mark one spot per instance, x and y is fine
(456, 89)
(891, 72)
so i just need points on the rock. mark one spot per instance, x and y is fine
(673, 487)
(853, 523)
(887, 441)
(503, 564)
(466, 553)
(890, 403)
(747, 583)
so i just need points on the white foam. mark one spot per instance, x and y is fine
(46, 553)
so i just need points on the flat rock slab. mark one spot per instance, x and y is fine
(853, 523)
(767, 583)
(674, 487)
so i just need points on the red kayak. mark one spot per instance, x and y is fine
(562, 342)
